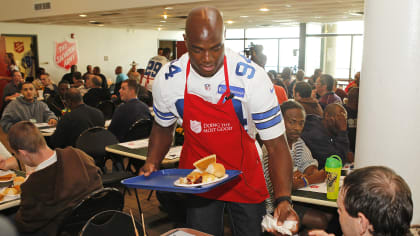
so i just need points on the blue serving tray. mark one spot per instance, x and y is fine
(163, 180)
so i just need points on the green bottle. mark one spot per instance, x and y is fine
(333, 167)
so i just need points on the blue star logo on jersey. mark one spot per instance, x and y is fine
(272, 90)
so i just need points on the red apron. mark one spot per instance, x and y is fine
(215, 129)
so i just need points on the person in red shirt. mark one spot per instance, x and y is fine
(354, 83)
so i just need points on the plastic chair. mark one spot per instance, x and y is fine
(98, 201)
(139, 130)
(107, 107)
(93, 141)
(109, 223)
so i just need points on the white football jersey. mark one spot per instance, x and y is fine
(254, 100)
(153, 67)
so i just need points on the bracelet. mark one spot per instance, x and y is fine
(281, 199)
(305, 180)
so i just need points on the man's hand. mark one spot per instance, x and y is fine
(147, 169)
(319, 233)
(284, 211)
(52, 122)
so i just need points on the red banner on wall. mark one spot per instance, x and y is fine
(19, 46)
(65, 54)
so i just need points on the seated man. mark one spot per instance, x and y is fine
(61, 179)
(351, 108)
(302, 93)
(12, 90)
(373, 201)
(324, 88)
(72, 124)
(96, 93)
(50, 89)
(327, 136)
(26, 108)
(305, 166)
(132, 110)
(56, 103)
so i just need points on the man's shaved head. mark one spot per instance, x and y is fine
(204, 38)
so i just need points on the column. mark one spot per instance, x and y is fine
(389, 106)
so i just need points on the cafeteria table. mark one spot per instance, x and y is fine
(140, 151)
(305, 195)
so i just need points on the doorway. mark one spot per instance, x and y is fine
(24, 49)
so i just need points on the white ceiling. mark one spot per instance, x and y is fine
(281, 12)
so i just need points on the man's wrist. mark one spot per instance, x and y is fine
(278, 200)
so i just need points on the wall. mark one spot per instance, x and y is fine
(121, 46)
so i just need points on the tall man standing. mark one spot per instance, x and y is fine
(214, 87)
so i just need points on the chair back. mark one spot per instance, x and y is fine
(109, 223)
(139, 130)
(107, 107)
(98, 201)
(93, 141)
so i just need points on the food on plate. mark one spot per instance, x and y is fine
(18, 180)
(1, 197)
(17, 187)
(10, 191)
(216, 169)
(7, 177)
(204, 162)
(207, 171)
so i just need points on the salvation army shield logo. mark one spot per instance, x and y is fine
(19, 46)
(195, 126)
(65, 54)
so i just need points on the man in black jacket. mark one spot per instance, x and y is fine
(96, 93)
(327, 136)
(75, 122)
(129, 112)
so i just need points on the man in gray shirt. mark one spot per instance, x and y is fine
(26, 108)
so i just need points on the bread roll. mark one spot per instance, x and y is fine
(207, 178)
(216, 169)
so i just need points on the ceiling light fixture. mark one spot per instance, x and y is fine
(359, 13)
(165, 16)
(169, 8)
(264, 9)
(92, 21)
(159, 29)
(101, 25)
(288, 5)
(243, 16)
(82, 15)
(229, 22)
(163, 21)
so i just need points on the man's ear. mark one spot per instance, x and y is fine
(185, 40)
(364, 224)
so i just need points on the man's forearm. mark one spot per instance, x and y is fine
(160, 141)
(280, 166)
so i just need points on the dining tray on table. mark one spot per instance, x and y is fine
(163, 180)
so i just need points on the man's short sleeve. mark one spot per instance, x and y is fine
(263, 106)
(163, 116)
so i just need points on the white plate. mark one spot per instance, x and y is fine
(176, 183)
(5, 172)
